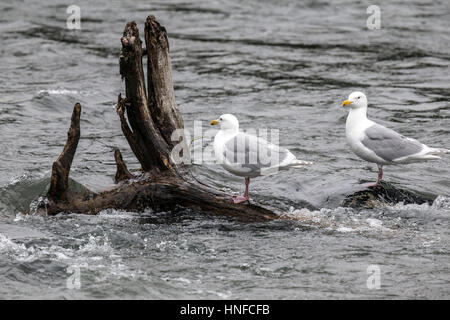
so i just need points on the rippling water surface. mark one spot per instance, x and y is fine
(283, 65)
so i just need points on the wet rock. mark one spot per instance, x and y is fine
(385, 193)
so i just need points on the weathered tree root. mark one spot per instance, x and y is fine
(122, 172)
(148, 118)
(59, 182)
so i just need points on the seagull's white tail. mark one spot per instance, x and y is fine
(426, 154)
(437, 151)
(299, 163)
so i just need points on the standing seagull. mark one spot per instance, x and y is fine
(376, 143)
(249, 156)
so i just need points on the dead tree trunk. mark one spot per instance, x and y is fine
(148, 118)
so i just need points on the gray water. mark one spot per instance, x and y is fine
(283, 65)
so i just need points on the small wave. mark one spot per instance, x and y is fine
(169, 245)
(441, 203)
(179, 279)
(109, 214)
(16, 180)
(97, 245)
(407, 207)
(96, 257)
(221, 295)
(9, 246)
(57, 92)
(20, 191)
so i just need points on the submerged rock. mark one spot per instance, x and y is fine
(385, 193)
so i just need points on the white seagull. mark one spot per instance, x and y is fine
(249, 156)
(376, 143)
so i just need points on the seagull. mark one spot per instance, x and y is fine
(247, 155)
(375, 143)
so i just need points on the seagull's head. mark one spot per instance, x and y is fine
(227, 122)
(356, 100)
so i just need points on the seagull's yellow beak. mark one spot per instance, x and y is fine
(214, 122)
(346, 102)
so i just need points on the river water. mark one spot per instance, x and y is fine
(282, 65)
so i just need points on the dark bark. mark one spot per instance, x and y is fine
(59, 181)
(148, 145)
(162, 104)
(148, 119)
(122, 172)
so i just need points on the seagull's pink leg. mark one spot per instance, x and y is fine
(380, 177)
(246, 197)
(380, 174)
(247, 183)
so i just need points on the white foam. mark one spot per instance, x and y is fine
(408, 207)
(179, 279)
(7, 245)
(345, 229)
(374, 223)
(18, 179)
(19, 217)
(97, 245)
(340, 219)
(221, 295)
(117, 214)
(87, 257)
(19, 251)
(169, 245)
(57, 92)
(441, 202)
(41, 202)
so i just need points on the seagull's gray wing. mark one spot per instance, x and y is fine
(249, 154)
(388, 144)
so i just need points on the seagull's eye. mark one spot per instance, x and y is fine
(359, 97)
(220, 119)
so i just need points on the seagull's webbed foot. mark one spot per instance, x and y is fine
(246, 197)
(374, 185)
(240, 199)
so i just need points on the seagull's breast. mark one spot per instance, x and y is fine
(355, 128)
(220, 139)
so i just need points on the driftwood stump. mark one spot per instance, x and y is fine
(148, 116)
